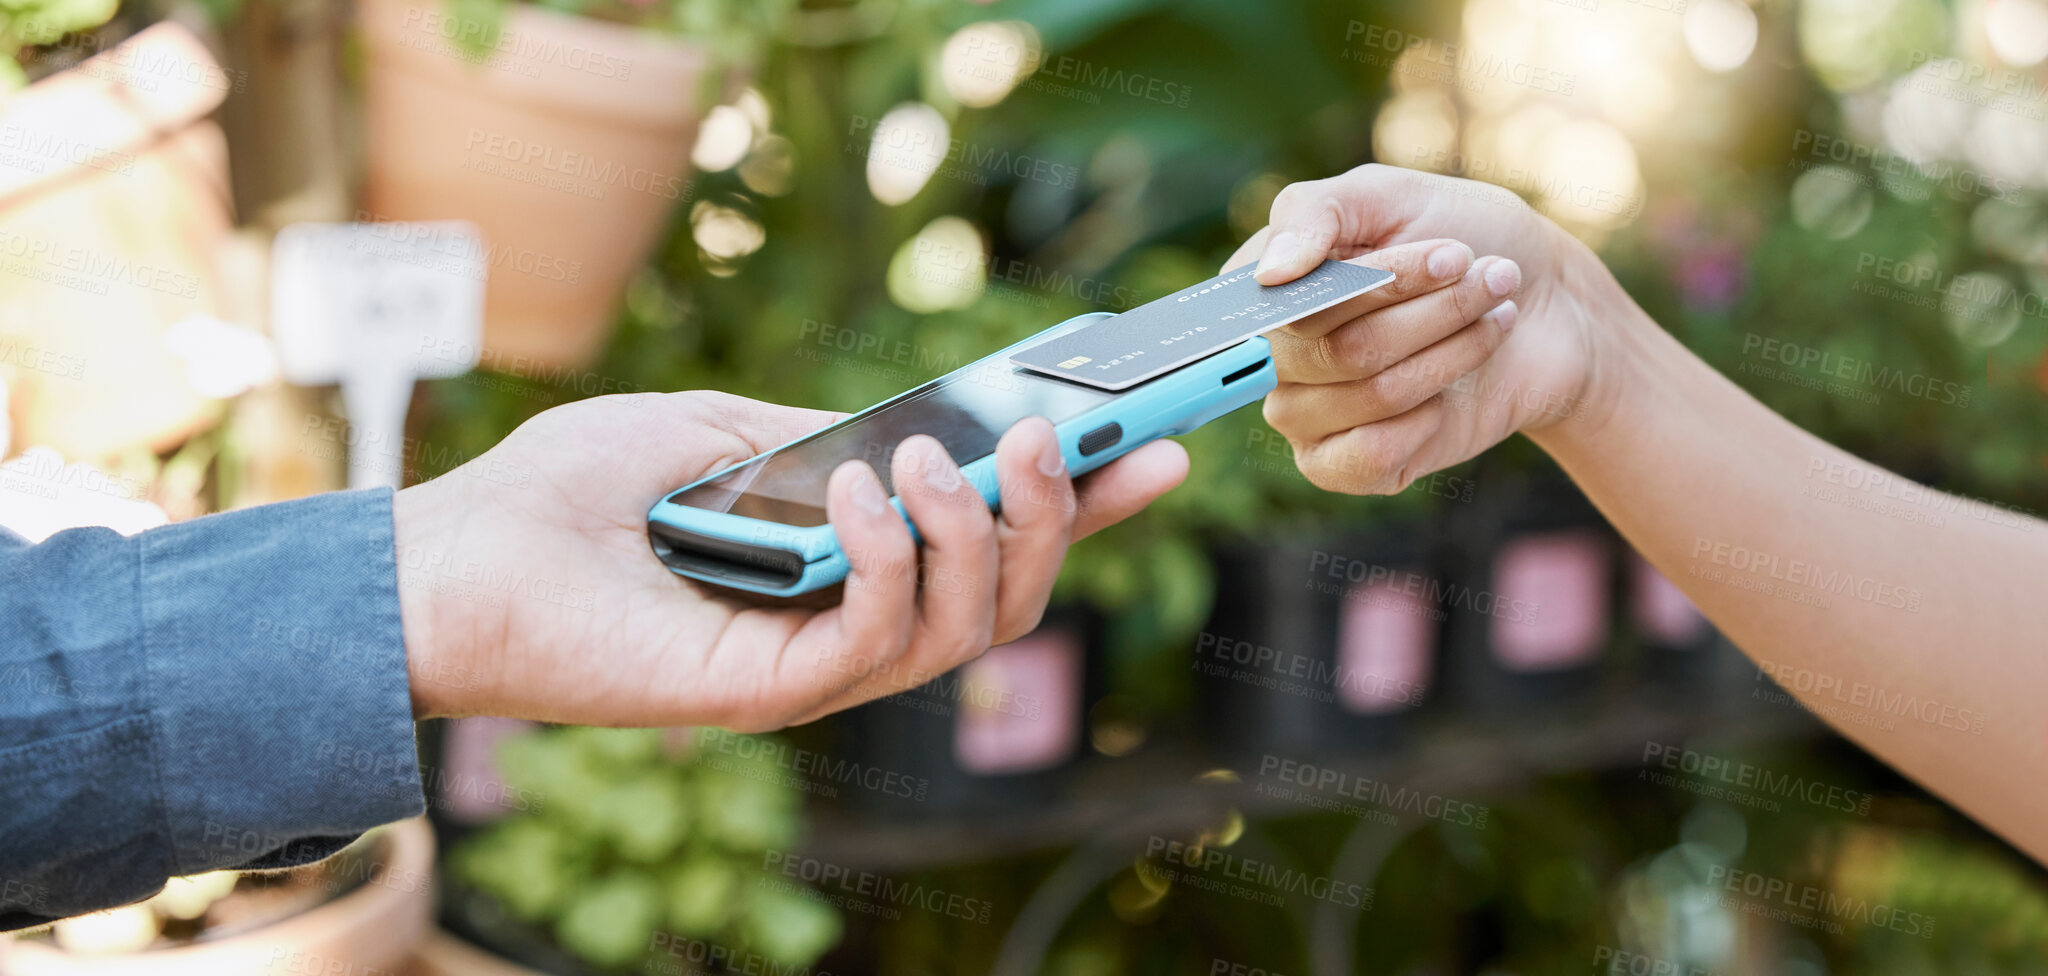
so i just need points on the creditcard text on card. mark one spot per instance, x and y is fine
(1162, 335)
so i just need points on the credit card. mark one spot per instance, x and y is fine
(1162, 335)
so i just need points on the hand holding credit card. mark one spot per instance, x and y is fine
(1170, 332)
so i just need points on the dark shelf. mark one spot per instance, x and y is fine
(1457, 755)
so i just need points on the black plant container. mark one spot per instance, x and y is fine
(1316, 647)
(1003, 733)
(1531, 599)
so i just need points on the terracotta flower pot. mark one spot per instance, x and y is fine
(567, 143)
(113, 207)
(374, 928)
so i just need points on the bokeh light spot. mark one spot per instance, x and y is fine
(944, 266)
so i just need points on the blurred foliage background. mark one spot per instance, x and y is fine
(828, 255)
(1834, 202)
(1837, 203)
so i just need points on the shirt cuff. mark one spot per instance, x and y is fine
(280, 696)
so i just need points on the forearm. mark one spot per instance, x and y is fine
(221, 693)
(1920, 613)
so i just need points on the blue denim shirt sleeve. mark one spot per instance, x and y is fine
(228, 692)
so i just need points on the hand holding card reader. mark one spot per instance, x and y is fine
(1109, 384)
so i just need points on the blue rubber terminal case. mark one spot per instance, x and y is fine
(775, 559)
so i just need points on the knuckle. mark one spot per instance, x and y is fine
(1374, 464)
(977, 529)
(1403, 476)
(967, 647)
(1332, 478)
(1278, 411)
(1491, 338)
(1387, 389)
(1326, 357)
(1025, 623)
(1290, 198)
(1375, 171)
(1359, 347)
(1469, 298)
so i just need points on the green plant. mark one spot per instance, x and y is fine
(31, 23)
(634, 839)
(734, 35)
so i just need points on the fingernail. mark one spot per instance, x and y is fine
(1505, 315)
(1050, 462)
(1280, 252)
(940, 473)
(868, 495)
(1449, 261)
(1503, 277)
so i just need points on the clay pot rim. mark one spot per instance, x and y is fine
(367, 906)
(659, 91)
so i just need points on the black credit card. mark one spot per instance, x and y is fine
(1162, 335)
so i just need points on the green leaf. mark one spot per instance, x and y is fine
(747, 814)
(617, 747)
(788, 927)
(700, 896)
(612, 922)
(523, 863)
(646, 817)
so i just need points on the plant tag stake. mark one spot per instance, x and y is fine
(374, 307)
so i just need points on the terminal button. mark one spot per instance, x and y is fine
(1101, 438)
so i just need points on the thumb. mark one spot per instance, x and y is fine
(1352, 212)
